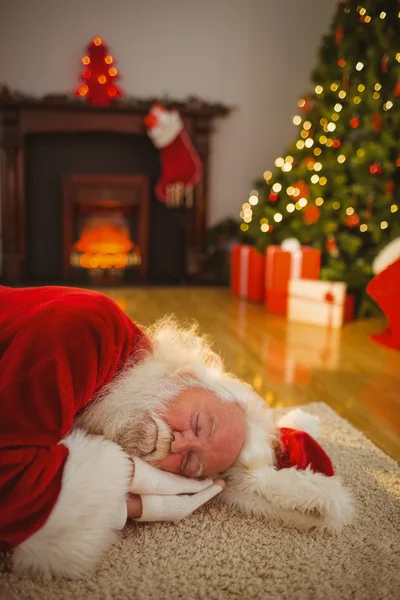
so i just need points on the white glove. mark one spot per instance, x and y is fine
(150, 480)
(175, 508)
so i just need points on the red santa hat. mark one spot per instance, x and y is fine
(181, 168)
(384, 288)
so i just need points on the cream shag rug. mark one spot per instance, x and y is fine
(217, 554)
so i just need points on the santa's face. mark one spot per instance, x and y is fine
(207, 434)
(189, 431)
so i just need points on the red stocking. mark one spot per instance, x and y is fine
(181, 167)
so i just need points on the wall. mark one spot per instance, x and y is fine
(255, 55)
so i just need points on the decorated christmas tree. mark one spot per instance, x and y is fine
(337, 187)
(99, 75)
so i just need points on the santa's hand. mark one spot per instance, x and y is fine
(175, 508)
(150, 480)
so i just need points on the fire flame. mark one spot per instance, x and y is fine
(105, 243)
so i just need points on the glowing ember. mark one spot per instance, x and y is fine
(105, 243)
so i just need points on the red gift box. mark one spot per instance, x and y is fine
(349, 307)
(281, 266)
(247, 273)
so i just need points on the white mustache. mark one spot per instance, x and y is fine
(163, 441)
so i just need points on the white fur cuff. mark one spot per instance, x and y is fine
(83, 523)
(169, 129)
(387, 256)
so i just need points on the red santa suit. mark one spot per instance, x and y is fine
(58, 348)
(384, 288)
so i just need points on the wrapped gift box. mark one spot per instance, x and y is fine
(317, 302)
(283, 266)
(247, 273)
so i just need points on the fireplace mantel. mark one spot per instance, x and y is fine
(17, 120)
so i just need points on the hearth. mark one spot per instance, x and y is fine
(73, 172)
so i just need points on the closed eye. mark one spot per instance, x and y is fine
(196, 427)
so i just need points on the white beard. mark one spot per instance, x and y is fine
(131, 409)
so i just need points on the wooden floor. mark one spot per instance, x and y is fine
(289, 364)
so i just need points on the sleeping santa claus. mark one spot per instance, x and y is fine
(101, 421)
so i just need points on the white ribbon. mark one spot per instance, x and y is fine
(271, 251)
(295, 265)
(244, 271)
(296, 261)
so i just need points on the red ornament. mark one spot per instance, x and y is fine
(385, 63)
(309, 160)
(311, 214)
(273, 197)
(352, 220)
(99, 87)
(341, 62)
(303, 188)
(397, 89)
(82, 90)
(389, 187)
(307, 106)
(376, 120)
(362, 19)
(354, 122)
(398, 161)
(339, 35)
(336, 143)
(331, 245)
(375, 169)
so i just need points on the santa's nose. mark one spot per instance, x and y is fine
(183, 441)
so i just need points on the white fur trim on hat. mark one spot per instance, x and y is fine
(296, 498)
(302, 421)
(387, 256)
(90, 508)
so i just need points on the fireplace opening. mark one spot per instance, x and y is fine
(105, 248)
(105, 228)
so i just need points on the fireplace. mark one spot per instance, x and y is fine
(105, 228)
(71, 172)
